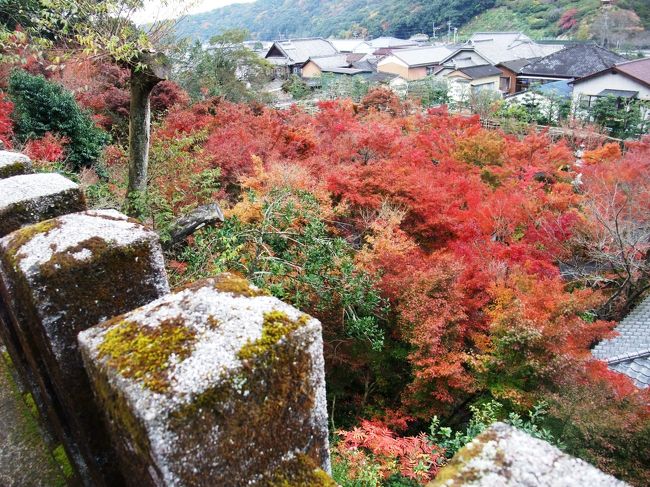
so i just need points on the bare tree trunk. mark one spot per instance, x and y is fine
(139, 128)
(145, 75)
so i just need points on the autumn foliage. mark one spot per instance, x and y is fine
(456, 233)
(6, 125)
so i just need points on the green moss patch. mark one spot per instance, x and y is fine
(24, 235)
(61, 458)
(14, 169)
(261, 412)
(66, 259)
(143, 353)
(276, 325)
(300, 472)
(227, 283)
(456, 472)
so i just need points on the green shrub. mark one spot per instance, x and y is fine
(483, 416)
(296, 87)
(41, 106)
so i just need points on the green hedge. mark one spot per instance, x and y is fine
(41, 106)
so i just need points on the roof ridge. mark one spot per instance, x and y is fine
(617, 359)
(630, 61)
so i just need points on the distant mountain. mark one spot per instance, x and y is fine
(273, 19)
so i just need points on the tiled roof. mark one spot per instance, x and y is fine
(390, 42)
(500, 47)
(476, 72)
(517, 64)
(346, 45)
(629, 352)
(638, 69)
(573, 62)
(336, 61)
(619, 93)
(300, 50)
(423, 56)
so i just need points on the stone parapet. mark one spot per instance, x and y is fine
(59, 277)
(505, 456)
(32, 198)
(13, 164)
(217, 384)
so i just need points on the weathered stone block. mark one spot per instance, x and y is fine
(62, 276)
(32, 198)
(505, 456)
(217, 384)
(13, 163)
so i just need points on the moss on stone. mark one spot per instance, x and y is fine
(276, 326)
(25, 235)
(35, 210)
(301, 471)
(61, 458)
(228, 282)
(15, 169)
(143, 352)
(66, 259)
(261, 411)
(456, 472)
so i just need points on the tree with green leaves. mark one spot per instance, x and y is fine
(64, 28)
(624, 118)
(41, 106)
(225, 68)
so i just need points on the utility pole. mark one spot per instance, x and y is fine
(455, 34)
(434, 28)
(448, 31)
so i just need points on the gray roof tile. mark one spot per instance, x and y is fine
(573, 62)
(629, 352)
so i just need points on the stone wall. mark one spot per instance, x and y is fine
(214, 384)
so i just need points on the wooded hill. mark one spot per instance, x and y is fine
(272, 19)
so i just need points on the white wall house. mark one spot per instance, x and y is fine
(628, 80)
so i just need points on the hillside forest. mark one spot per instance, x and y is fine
(462, 275)
(275, 19)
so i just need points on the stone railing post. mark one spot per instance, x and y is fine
(25, 199)
(217, 384)
(59, 277)
(13, 164)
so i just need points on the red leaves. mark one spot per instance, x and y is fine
(415, 456)
(6, 124)
(49, 148)
(568, 19)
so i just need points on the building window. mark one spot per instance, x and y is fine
(483, 87)
(504, 83)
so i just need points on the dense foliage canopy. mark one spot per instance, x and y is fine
(428, 246)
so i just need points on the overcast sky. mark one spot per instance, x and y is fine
(154, 10)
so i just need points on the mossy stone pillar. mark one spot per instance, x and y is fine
(217, 384)
(26, 199)
(31, 198)
(62, 276)
(13, 164)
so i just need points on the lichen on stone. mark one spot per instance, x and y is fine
(276, 326)
(145, 353)
(20, 237)
(227, 282)
(301, 471)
